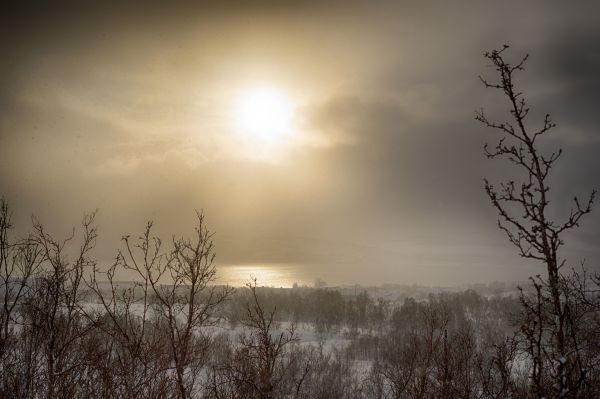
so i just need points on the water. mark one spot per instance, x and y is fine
(271, 275)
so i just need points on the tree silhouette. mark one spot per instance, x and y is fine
(524, 217)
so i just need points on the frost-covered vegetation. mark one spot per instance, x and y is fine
(71, 330)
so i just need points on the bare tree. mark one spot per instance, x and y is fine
(261, 366)
(53, 312)
(175, 297)
(524, 217)
(133, 348)
(19, 262)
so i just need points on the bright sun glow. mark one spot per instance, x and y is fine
(263, 114)
(271, 275)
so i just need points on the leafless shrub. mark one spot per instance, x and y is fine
(156, 325)
(52, 322)
(261, 365)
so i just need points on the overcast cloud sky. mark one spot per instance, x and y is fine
(130, 109)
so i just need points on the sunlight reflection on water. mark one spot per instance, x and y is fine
(271, 275)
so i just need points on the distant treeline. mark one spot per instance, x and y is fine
(331, 310)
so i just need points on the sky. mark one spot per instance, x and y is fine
(377, 174)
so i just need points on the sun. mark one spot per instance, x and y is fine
(263, 114)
